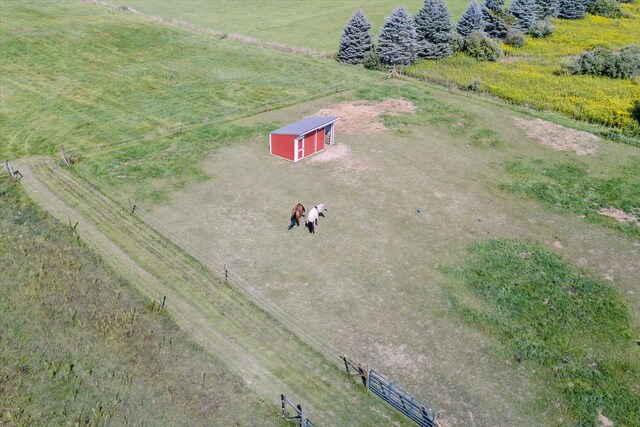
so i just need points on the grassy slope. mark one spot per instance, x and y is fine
(530, 79)
(87, 77)
(549, 316)
(531, 75)
(314, 24)
(79, 345)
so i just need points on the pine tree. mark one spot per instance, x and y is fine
(524, 13)
(496, 6)
(572, 9)
(355, 42)
(434, 29)
(471, 20)
(546, 9)
(493, 15)
(397, 43)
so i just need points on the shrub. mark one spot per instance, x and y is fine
(474, 85)
(515, 38)
(541, 30)
(635, 111)
(457, 43)
(372, 60)
(607, 8)
(623, 64)
(481, 47)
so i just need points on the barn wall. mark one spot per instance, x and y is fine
(283, 146)
(309, 143)
(321, 139)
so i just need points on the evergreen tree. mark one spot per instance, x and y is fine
(546, 9)
(524, 13)
(496, 6)
(434, 29)
(493, 15)
(355, 42)
(572, 9)
(397, 43)
(471, 20)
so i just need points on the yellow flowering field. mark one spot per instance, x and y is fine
(533, 76)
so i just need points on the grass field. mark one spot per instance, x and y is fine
(379, 281)
(106, 94)
(529, 76)
(80, 347)
(379, 268)
(314, 24)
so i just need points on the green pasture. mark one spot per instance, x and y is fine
(307, 23)
(80, 347)
(179, 121)
(529, 76)
(89, 77)
(375, 280)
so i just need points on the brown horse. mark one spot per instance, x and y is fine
(296, 213)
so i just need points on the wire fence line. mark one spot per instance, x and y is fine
(116, 266)
(219, 269)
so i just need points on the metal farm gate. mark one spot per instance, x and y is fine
(401, 400)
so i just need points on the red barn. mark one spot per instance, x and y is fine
(302, 138)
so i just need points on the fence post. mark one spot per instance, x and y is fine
(65, 158)
(346, 365)
(16, 175)
(303, 417)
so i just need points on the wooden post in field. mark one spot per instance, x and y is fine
(65, 158)
(71, 227)
(132, 206)
(15, 175)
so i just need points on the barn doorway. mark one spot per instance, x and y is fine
(328, 135)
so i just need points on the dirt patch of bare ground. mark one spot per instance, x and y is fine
(558, 137)
(620, 215)
(332, 152)
(364, 116)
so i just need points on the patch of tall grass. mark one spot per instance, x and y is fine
(533, 75)
(570, 330)
(78, 346)
(572, 186)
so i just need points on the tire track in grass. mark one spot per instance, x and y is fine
(253, 343)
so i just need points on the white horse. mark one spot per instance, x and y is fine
(312, 217)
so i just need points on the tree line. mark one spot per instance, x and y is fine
(432, 34)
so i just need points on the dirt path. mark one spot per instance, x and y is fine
(254, 344)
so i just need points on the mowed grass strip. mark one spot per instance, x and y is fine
(573, 331)
(533, 75)
(80, 347)
(87, 76)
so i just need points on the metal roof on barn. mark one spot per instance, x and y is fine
(305, 125)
